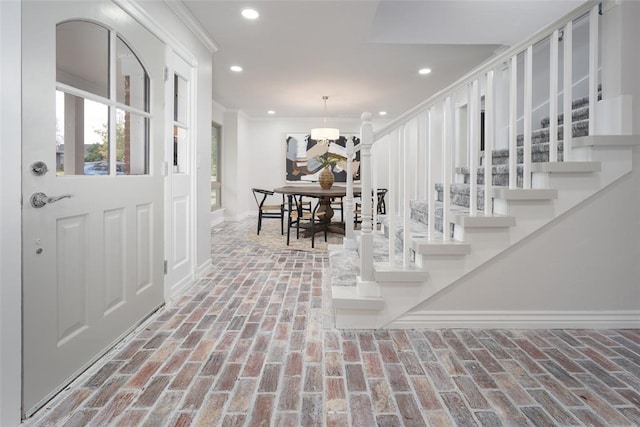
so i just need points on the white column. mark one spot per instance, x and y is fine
(349, 241)
(366, 279)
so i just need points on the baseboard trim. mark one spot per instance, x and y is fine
(216, 217)
(176, 290)
(518, 320)
(203, 269)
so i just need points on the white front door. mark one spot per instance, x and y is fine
(179, 231)
(93, 222)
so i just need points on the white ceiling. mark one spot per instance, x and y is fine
(363, 54)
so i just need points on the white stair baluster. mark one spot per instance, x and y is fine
(567, 89)
(513, 123)
(553, 97)
(431, 191)
(406, 183)
(593, 67)
(489, 124)
(394, 143)
(528, 91)
(474, 147)
(447, 140)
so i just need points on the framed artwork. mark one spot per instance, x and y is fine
(302, 157)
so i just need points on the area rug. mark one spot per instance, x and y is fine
(270, 237)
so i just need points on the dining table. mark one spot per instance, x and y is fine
(324, 196)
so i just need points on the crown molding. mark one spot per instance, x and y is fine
(185, 15)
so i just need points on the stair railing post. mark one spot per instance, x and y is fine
(431, 191)
(513, 123)
(489, 125)
(349, 241)
(366, 280)
(567, 89)
(528, 91)
(553, 97)
(593, 67)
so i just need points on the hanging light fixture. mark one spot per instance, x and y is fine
(324, 134)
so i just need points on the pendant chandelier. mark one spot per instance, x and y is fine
(325, 134)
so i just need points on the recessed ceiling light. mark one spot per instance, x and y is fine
(250, 13)
(424, 71)
(271, 112)
(236, 68)
(382, 113)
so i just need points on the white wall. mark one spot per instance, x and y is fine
(259, 145)
(10, 225)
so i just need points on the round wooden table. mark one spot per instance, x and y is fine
(324, 198)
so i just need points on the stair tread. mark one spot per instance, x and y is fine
(566, 167)
(388, 272)
(481, 220)
(606, 140)
(424, 246)
(347, 297)
(524, 193)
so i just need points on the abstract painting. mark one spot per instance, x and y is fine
(303, 152)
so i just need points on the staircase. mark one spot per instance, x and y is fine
(509, 267)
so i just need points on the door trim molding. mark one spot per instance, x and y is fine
(10, 214)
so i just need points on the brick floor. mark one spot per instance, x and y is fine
(252, 345)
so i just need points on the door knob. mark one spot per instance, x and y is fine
(38, 200)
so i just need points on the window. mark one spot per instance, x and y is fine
(102, 103)
(215, 167)
(180, 129)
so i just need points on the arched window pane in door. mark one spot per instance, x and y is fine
(132, 80)
(88, 138)
(82, 56)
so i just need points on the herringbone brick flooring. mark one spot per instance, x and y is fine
(253, 345)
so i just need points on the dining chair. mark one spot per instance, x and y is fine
(338, 205)
(268, 210)
(298, 216)
(381, 206)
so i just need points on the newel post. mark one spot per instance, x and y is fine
(366, 284)
(349, 241)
